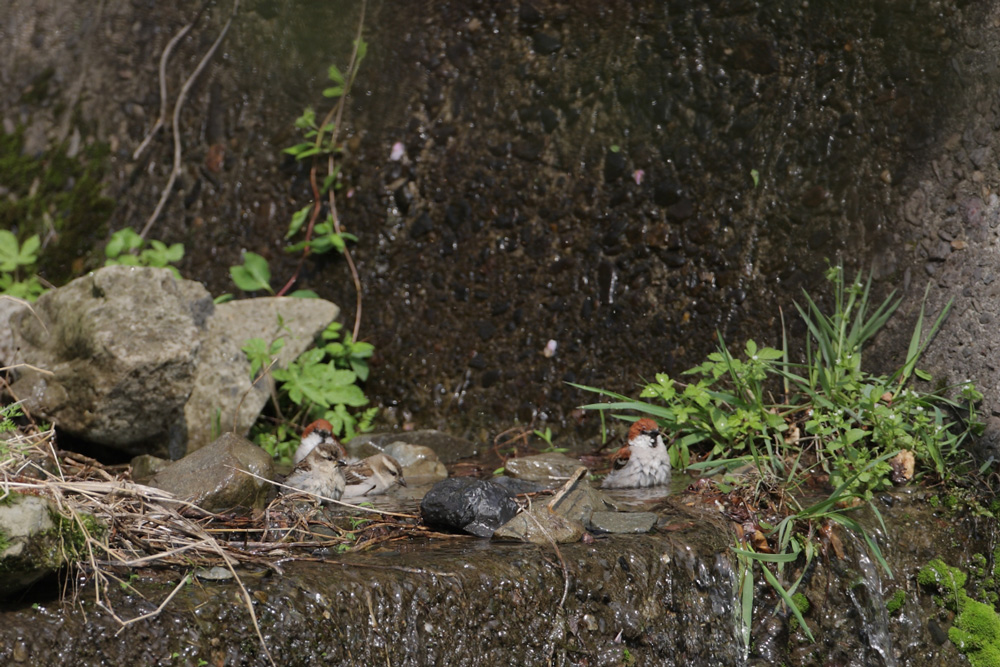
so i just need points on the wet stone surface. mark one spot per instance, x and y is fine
(667, 598)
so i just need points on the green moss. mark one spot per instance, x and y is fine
(895, 602)
(978, 565)
(801, 603)
(74, 534)
(976, 631)
(55, 191)
(938, 574)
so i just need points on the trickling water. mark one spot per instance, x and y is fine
(868, 600)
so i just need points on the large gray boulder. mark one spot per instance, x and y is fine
(222, 379)
(114, 354)
(134, 359)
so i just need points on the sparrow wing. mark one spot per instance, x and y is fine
(357, 474)
(621, 458)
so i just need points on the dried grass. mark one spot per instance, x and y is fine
(143, 527)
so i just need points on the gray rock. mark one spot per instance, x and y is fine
(145, 466)
(31, 543)
(120, 347)
(447, 447)
(581, 502)
(516, 486)
(545, 468)
(9, 308)
(540, 525)
(211, 477)
(222, 378)
(420, 464)
(622, 522)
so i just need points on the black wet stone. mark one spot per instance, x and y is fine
(546, 44)
(614, 165)
(421, 226)
(465, 504)
(485, 329)
(490, 378)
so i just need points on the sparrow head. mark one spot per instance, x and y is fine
(393, 469)
(646, 432)
(321, 427)
(321, 431)
(326, 452)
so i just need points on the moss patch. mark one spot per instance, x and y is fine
(54, 191)
(895, 601)
(976, 631)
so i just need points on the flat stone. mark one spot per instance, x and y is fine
(581, 502)
(421, 465)
(622, 522)
(546, 468)
(516, 486)
(447, 447)
(211, 477)
(540, 525)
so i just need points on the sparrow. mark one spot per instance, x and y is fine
(644, 461)
(373, 476)
(320, 473)
(319, 431)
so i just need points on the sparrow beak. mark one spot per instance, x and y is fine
(402, 482)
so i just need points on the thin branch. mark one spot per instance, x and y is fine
(175, 124)
(164, 57)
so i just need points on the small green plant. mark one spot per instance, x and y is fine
(546, 435)
(17, 261)
(253, 275)
(129, 249)
(323, 382)
(8, 413)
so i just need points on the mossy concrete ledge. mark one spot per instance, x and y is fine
(664, 598)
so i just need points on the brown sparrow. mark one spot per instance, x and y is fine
(320, 473)
(319, 431)
(644, 461)
(373, 476)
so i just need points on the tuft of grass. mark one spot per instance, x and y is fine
(821, 419)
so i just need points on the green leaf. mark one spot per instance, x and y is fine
(304, 294)
(335, 75)
(123, 241)
(13, 255)
(253, 275)
(923, 375)
(298, 219)
(360, 368)
(335, 91)
(298, 149)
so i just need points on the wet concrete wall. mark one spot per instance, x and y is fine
(624, 180)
